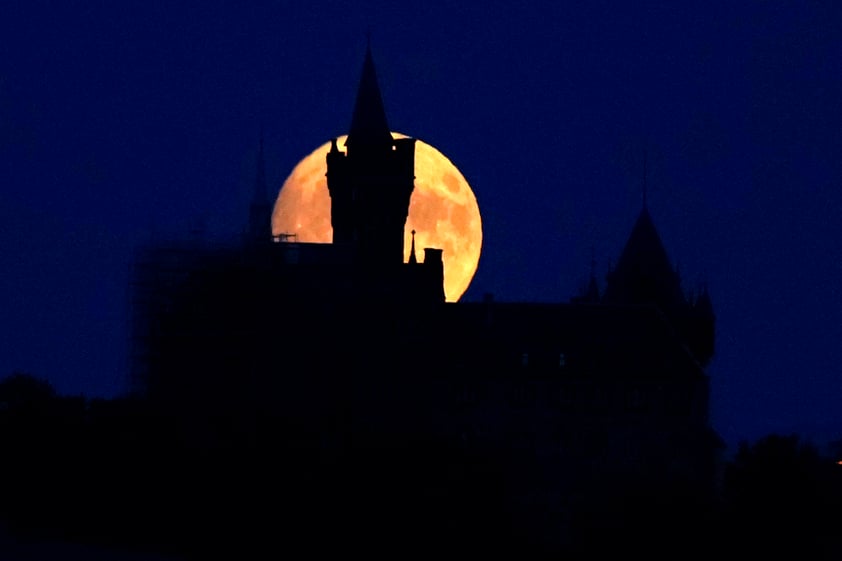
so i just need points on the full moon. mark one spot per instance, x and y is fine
(443, 211)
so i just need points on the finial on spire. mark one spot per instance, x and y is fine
(412, 259)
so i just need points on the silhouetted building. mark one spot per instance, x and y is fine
(348, 348)
(370, 184)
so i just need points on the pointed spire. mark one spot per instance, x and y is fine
(412, 259)
(368, 123)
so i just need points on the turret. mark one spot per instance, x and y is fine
(371, 182)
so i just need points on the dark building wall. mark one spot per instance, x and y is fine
(568, 403)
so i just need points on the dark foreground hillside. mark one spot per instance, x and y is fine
(107, 476)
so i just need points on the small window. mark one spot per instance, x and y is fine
(562, 360)
(524, 359)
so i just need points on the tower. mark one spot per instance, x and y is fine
(260, 210)
(371, 182)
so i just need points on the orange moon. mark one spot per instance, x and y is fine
(443, 211)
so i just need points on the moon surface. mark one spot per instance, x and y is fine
(443, 211)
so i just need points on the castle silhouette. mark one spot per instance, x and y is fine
(354, 355)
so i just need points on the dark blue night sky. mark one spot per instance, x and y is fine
(122, 122)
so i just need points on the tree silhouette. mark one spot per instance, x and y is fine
(782, 496)
(23, 391)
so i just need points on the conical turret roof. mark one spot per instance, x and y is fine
(644, 250)
(644, 273)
